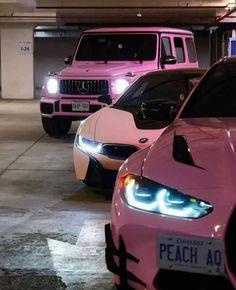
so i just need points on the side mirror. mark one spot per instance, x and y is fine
(68, 59)
(106, 99)
(168, 60)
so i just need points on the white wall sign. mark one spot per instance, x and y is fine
(25, 47)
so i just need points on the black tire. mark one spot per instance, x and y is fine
(56, 126)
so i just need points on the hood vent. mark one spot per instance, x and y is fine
(181, 151)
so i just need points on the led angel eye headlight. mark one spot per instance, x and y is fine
(147, 195)
(119, 86)
(88, 145)
(52, 85)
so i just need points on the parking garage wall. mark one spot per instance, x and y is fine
(49, 55)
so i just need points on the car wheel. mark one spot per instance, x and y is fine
(56, 126)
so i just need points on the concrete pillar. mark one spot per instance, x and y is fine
(17, 67)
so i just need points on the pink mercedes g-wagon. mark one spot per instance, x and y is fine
(106, 61)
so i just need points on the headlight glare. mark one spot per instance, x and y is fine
(88, 145)
(147, 195)
(52, 85)
(119, 86)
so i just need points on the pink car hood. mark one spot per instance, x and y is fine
(212, 143)
(101, 69)
(110, 125)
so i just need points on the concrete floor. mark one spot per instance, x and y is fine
(51, 225)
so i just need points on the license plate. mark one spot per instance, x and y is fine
(190, 254)
(80, 106)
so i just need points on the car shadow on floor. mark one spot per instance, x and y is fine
(13, 280)
(68, 138)
(32, 280)
(88, 194)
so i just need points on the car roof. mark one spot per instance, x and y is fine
(138, 29)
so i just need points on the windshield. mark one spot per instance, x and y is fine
(215, 96)
(156, 89)
(105, 47)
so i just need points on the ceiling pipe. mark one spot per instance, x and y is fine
(228, 14)
(112, 17)
(129, 7)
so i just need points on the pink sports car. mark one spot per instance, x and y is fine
(108, 137)
(174, 203)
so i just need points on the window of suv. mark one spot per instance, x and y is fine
(179, 49)
(165, 47)
(192, 57)
(127, 47)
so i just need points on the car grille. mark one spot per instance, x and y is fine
(118, 151)
(230, 241)
(84, 87)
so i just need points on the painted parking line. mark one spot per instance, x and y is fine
(85, 258)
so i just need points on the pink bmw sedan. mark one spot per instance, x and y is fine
(174, 204)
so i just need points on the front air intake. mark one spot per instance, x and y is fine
(181, 151)
(172, 280)
(117, 151)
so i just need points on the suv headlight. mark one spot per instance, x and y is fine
(150, 196)
(52, 85)
(88, 145)
(119, 86)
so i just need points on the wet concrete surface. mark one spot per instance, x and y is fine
(51, 225)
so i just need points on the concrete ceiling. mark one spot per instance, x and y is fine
(149, 12)
(7, 6)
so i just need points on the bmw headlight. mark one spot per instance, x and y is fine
(52, 85)
(119, 86)
(88, 145)
(150, 196)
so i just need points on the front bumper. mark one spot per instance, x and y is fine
(131, 242)
(99, 177)
(50, 107)
(117, 259)
(122, 256)
(96, 171)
